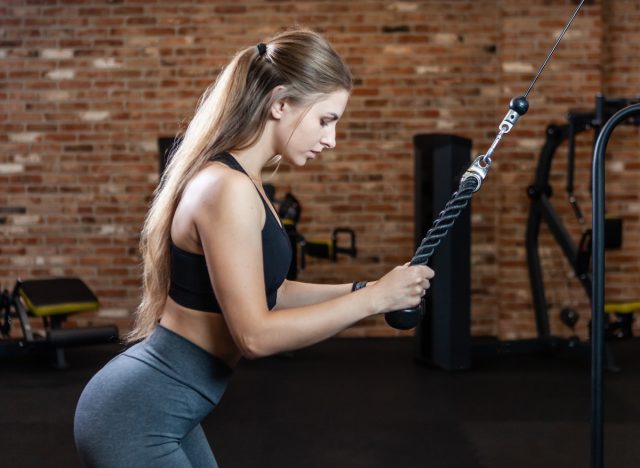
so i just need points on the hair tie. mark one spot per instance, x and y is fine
(262, 48)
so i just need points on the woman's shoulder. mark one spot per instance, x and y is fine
(217, 193)
(218, 180)
(219, 188)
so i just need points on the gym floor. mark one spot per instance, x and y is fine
(357, 403)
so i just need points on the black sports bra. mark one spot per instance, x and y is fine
(190, 283)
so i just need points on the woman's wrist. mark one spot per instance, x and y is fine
(372, 304)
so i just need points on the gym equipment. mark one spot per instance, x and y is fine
(166, 146)
(289, 211)
(541, 209)
(470, 182)
(443, 337)
(569, 317)
(52, 300)
(618, 323)
(597, 283)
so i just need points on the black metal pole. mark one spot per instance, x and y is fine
(597, 303)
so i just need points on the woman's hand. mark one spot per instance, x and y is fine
(401, 288)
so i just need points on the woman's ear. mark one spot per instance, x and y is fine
(280, 104)
(278, 109)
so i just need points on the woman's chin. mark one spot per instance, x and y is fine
(302, 161)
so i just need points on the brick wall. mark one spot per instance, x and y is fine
(87, 87)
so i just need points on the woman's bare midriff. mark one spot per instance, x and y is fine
(205, 329)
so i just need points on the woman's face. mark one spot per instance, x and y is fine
(304, 131)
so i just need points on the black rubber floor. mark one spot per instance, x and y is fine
(357, 403)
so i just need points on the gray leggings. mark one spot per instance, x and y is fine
(143, 409)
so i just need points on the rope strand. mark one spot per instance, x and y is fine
(440, 227)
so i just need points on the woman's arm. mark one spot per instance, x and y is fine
(229, 217)
(297, 294)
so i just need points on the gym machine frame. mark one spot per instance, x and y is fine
(597, 285)
(541, 209)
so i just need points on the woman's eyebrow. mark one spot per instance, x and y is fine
(333, 116)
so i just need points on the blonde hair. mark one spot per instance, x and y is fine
(231, 114)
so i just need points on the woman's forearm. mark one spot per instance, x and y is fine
(298, 294)
(298, 327)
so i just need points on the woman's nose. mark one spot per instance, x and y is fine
(329, 139)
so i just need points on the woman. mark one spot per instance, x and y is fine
(216, 257)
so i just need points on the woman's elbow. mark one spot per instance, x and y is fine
(251, 347)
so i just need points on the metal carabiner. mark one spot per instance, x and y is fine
(478, 170)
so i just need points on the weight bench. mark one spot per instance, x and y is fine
(53, 300)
